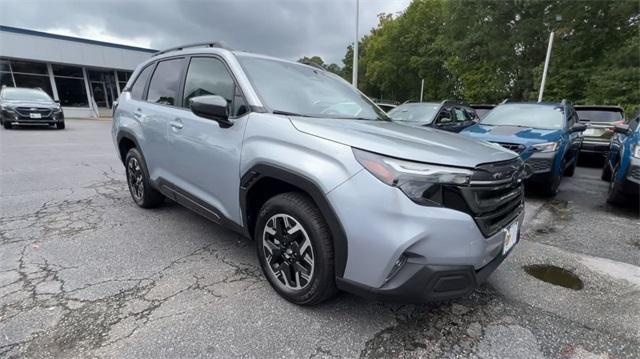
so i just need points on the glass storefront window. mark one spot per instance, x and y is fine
(72, 92)
(123, 77)
(68, 71)
(6, 79)
(34, 81)
(26, 67)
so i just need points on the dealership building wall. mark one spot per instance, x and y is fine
(86, 76)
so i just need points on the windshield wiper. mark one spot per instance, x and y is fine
(286, 113)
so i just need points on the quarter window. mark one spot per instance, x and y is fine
(165, 81)
(137, 90)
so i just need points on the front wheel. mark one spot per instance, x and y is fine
(295, 249)
(550, 188)
(60, 125)
(615, 195)
(6, 125)
(140, 188)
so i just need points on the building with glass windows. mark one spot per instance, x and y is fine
(86, 76)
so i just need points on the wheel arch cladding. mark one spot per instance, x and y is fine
(126, 141)
(264, 181)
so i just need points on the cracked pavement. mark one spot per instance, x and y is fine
(86, 273)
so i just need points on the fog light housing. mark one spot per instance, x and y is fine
(396, 267)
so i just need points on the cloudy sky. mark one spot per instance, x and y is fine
(284, 28)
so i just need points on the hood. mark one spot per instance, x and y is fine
(512, 134)
(14, 104)
(421, 144)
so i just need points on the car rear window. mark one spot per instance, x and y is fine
(603, 115)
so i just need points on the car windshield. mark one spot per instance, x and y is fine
(603, 115)
(526, 115)
(482, 112)
(302, 90)
(10, 94)
(414, 112)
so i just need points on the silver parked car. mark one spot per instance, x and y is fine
(335, 195)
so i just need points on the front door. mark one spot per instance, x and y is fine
(204, 155)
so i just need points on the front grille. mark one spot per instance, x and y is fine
(539, 165)
(26, 111)
(495, 197)
(512, 146)
(635, 172)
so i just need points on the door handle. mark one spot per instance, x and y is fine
(137, 113)
(177, 124)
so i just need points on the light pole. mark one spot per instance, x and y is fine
(546, 67)
(546, 61)
(354, 77)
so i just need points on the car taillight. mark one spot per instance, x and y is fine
(614, 124)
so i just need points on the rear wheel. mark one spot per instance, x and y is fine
(615, 195)
(295, 249)
(140, 188)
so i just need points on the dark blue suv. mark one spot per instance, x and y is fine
(622, 165)
(546, 135)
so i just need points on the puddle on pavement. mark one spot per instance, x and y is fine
(554, 275)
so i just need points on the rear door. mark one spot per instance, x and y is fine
(575, 138)
(160, 108)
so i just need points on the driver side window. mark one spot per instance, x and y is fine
(209, 76)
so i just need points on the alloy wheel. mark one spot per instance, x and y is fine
(135, 177)
(288, 251)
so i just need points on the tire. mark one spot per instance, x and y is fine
(614, 194)
(140, 188)
(570, 171)
(606, 171)
(60, 125)
(302, 271)
(550, 188)
(7, 125)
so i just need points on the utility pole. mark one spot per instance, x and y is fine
(421, 90)
(354, 78)
(546, 67)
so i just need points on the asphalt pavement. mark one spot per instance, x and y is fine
(86, 273)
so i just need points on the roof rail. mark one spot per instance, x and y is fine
(197, 44)
(461, 102)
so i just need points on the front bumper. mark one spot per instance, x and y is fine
(446, 253)
(542, 166)
(594, 147)
(14, 117)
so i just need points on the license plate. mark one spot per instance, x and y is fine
(510, 237)
(592, 132)
(35, 115)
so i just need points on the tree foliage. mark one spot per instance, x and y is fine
(485, 51)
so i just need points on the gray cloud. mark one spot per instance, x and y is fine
(283, 28)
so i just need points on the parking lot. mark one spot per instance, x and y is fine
(84, 272)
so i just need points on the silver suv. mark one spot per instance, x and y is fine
(335, 195)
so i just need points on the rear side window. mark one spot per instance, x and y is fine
(165, 82)
(137, 90)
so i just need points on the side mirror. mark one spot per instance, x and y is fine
(213, 107)
(622, 129)
(578, 127)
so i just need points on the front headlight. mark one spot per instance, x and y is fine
(546, 147)
(6, 108)
(421, 182)
(635, 151)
